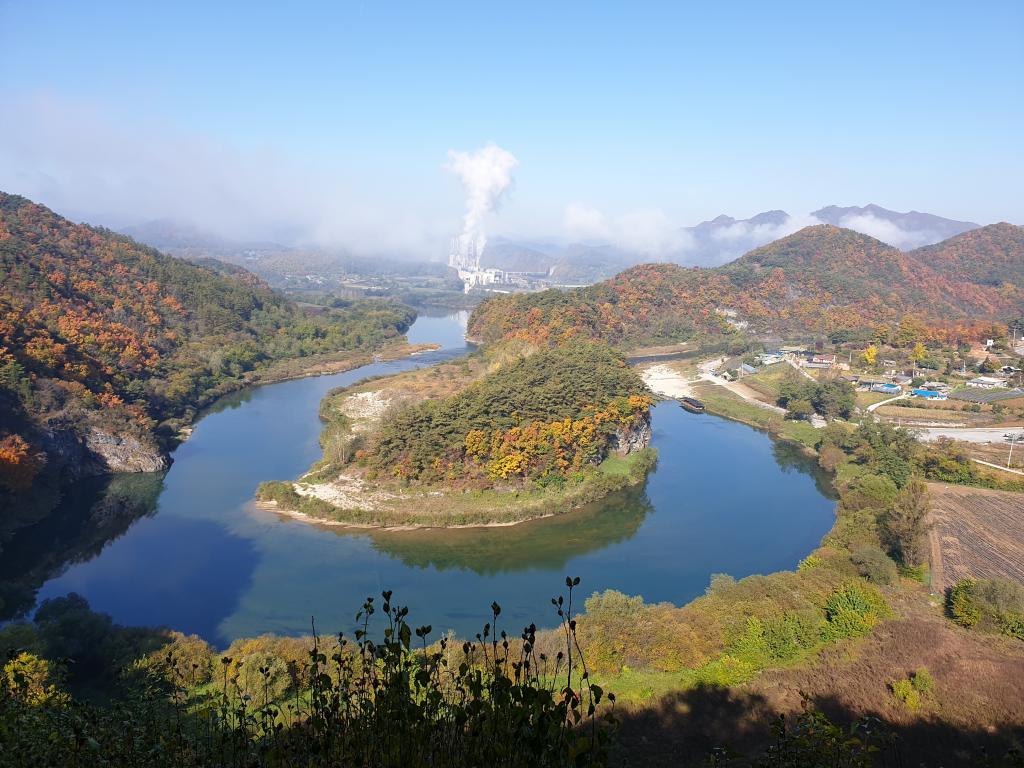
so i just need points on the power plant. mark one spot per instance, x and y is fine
(464, 257)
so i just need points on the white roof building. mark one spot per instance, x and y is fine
(986, 382)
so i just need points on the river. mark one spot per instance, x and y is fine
(190, 551)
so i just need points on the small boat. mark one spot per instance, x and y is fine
(692, 404)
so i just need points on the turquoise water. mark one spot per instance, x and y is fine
(190, 551)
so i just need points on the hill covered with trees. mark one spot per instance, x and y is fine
(548, 414)
(108, 347)
(992, 255)
(822, 278)
(509, 433)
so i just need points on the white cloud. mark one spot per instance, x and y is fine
(759, 234)
(647, 232)
(102, 169)
(889, 232)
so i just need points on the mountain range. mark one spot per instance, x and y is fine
(719, 241)
(707, 244)
(819, 280)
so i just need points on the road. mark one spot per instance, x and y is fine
(880, 403)
(707, 373)
(968, 434)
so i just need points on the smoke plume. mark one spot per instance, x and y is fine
(485, 175)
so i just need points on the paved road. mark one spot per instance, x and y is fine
(969, 434)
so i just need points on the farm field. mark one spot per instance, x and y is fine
(977, 533)
(931, 414)
(769, 380)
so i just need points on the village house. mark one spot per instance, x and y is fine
(987, 382)
(929, 394)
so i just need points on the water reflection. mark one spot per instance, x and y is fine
(791, 458)
(549, 544)
(91, 514)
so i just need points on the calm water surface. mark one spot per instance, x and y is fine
(191, 552)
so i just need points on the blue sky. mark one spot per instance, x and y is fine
(334, 120)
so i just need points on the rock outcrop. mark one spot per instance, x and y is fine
(99, 452)
(125, 453)
(632, 439)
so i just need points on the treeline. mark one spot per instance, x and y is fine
(821, 279)
(543, 415)
(99, 331)
(832, 399)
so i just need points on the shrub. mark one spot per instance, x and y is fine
(913, 690)
(723, 672)
(874, 565)
(991, 605)
(809, 562)
(776, 639)
(31, 680)
(960, 604)
(906, 693)
(186, 661)
(923, 681)
(853, 610)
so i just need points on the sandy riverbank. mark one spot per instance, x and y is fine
(277, 509)
(663, 380)
(666, 381)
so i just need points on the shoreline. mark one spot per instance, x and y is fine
(324, 367)
(273, 506)
(507, 509)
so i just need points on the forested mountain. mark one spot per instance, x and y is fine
(992, 255)
(820, 279)
(107, 346)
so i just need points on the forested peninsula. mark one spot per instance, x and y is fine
(509, 433)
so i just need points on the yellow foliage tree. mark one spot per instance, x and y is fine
(28, 678)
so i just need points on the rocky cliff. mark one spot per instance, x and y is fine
(632, 439)
(96, 451)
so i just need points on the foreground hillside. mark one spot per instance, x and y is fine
(821, 279)
(108, 347)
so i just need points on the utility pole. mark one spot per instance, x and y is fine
(1010, 456)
